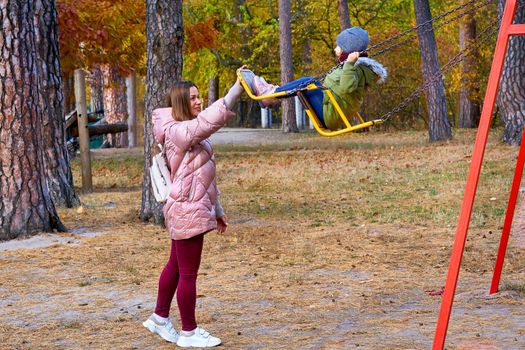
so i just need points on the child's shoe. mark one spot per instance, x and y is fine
(261, 87)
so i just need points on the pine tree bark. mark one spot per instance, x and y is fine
(26, 206)
(511, 96)
(115, 103)
(285, 51)
(344, 17)
(96, 89)
(438, 123)
(213, 90)
(68, 88)
(56, 157)
(165, 39)
(469, 105)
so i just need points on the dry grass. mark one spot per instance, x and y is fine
(334, 244)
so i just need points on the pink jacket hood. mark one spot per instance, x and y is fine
(190, 208)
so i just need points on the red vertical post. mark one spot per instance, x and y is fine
(518, 173)
(473, 176)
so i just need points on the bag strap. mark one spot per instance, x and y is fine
(164, 156)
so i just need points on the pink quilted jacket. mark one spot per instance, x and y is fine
(190, 208)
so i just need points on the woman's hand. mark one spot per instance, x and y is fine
(238, 69)
(222, 224)
(352, 57)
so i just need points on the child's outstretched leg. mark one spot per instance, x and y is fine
(260, 87)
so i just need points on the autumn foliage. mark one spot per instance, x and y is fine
(201, 35)
(221, 35)
(98, 32)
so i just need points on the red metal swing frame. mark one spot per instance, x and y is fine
(507, 29)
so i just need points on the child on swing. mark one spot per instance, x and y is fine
(348, 82)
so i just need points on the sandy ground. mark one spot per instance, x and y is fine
(267, 284)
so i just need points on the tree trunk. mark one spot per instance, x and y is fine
(306, 49)
(511, 97)
(56, 157)
(68, 88)
(213, 90)
(131, 95)
(245, 30)
(344, 17)
(96, 89)
(469, 106)
(285, 51)
(115, 103)
(26, 206)
(306, 55)
(438, 123)
(165, 39)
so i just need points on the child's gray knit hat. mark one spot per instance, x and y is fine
(352, 39)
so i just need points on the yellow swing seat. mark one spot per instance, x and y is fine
(310, 94)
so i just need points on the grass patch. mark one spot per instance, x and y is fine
(71, 325)
(379, 183)
(373, 177)
(113, 172)
(516, 287)
(348, 233)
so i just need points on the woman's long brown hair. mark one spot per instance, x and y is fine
(179, 100)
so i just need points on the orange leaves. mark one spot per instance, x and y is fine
(201, 35)
(96, 32)
(98, 36)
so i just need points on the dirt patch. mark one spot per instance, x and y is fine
(313, 259)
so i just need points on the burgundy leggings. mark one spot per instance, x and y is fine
(180, 274)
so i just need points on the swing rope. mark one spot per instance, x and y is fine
(486, 34)
(428, 29)
(321, 77)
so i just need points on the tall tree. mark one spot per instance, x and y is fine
(511, 97)
(26, 206)
(344, 17)
(96, 89)
(285, 51)
(68, 89)
(213, 89)
(469, 106)
(115, 103)
(165, 39)
(303, 36)
(438, 123)
(56, 157)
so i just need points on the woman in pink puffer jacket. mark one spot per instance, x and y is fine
(193, 206)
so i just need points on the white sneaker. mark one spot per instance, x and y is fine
(198, 338)
(164, 329)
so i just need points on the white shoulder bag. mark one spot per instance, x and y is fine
(160, 176)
